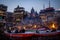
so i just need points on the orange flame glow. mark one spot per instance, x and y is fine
(34, 26)
(53, 26)
(24, 27)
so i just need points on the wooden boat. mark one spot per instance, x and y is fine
(32, 34)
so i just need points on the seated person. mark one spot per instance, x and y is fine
(12, 30)
(16, 31)
(37, 31)
(9, 31)
(21, 31)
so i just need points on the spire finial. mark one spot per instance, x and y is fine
(43, 6)
(18, 6)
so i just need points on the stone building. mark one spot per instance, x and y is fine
(3, 10)
(18, 14)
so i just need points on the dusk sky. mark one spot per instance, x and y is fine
(28, 4)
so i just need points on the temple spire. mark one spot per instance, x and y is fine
(32, 10)
(43, 6)
(18, 6)
(49, 3)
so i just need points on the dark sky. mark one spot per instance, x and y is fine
(28, 4)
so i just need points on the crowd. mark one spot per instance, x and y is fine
(13, 30)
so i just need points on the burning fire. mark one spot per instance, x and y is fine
(34, 26)
(24, 27)
(53, 26)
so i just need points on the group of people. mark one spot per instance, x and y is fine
(16, 30)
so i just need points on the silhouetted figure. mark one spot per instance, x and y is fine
(22, 31)
(53, 30)
(16, 31)
(9, 31)
(37, 31)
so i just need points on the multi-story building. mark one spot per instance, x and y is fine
(22, 17)
(43, 16)
(3, 10)
(32, 19)
(9, 19)
(47, 15)
(19, 13)
(57, 12)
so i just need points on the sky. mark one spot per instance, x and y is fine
(28, 4)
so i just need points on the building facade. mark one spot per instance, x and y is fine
(3, 10)
(19, 13)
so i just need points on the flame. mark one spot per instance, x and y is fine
(24, 27)
(19, 27)
(53, 26)
(34, 26)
